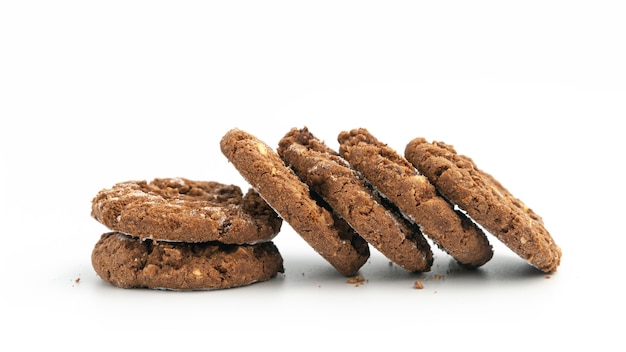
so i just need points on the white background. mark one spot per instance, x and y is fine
(95, 93)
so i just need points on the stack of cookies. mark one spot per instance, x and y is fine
(179, 234)
(366, 193)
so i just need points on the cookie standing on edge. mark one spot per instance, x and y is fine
(182, 210)
(129, 262)
(398, 180)
(329, 175)
(329, 235)
(486, 201)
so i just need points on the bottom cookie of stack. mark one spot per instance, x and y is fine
(129, 262)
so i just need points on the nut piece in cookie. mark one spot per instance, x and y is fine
(394, 178)
(182, 210)
(129, 262)
(486, 201)
(330, 176)
(292, 199)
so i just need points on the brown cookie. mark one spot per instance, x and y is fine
(486, 201)
(182, 210)
(129, 262)
(329, 175)
(397, 180)
(328, 234)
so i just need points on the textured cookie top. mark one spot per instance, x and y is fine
(486, 201)
(329, 235)
(182, 210)
(128, 262)
(398, 180)
(331, 176)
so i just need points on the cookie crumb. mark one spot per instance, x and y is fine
(418, 285)
(548, 276)
(77, 280)
(359, 279)
(438, 276)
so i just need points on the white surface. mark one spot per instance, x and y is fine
(92, 94)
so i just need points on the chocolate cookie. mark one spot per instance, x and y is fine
(331, 176)
(486, 201)
(182, 210)
(129, 262)
(397, 180)
(328, 234)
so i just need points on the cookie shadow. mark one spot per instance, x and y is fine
(499, 268)
(380, 269)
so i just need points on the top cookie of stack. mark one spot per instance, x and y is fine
(182, 210)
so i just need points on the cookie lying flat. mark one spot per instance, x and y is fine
(397, 179)
(329, 235)
(129, 262)
(329, 175)
(182, 210)
(486, 201)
